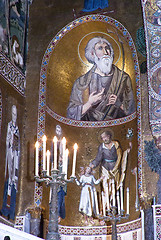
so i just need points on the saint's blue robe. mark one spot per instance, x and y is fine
(92, 5)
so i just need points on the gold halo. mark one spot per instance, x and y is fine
(102, 131)
(84, 40)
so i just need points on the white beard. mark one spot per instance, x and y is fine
(104, 64)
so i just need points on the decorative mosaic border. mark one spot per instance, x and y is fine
(19, 223)
(140, 140)
(38, 194)
(153, 39)
(157, 210)
(43, 76)
(12, 74)
(90, 124)
(157, 221)
(107, 230)
(152, 33)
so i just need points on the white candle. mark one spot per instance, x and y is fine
(63, 147)
(121, 194)
(96, 201)
(113, 192)
(118, 202)
(127, 211)
(66, 163)
(74, 159)
(107, 198)
(37, 159)
(143, 224)
(48, 162)
(44, 152)
(55, 140)
(103, 204)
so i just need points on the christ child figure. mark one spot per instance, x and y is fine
(88, 205)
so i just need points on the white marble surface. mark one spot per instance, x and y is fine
(15, 234)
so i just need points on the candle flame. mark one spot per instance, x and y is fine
(75, 146)
(44, 138)
(55, 139)
(67, 152)
(37, 144)
(64, 140)
(48, 153)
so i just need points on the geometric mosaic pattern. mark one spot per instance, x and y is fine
(38, 194)
(19, 223)
(90, 124)
(152, 26)
(134, 235)
(105, 230)
(12, 74)
(157, 221)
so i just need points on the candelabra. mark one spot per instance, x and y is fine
(114, 213)
(113, 217)
(54, 181)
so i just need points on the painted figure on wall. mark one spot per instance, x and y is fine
(18, 21)
(157, 15)
(3, 27)
(62, 190)
(87, 206)
(92, 5)
(111, 160)
(156, 81)
(3, 38)
(16, 53)
(104, 92)
(11, 167)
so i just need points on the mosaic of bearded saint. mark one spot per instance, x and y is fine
(104, 92)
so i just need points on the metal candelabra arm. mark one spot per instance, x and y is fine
(113, 217)
(54, 181)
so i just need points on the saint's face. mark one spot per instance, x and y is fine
(101, 49)
(88, 170)
(58, 131)
(106, 138)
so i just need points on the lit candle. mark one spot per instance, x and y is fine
(121, 194)
(37, 159)
(103, 204)
(55, 140)
(66, 163)
(63, 148)
(48, 162)
(143, 224)
(74, 159)
(107, 198)
(118, 202)
(127, 211)
(96, 201)
(113, 192)
(44, 152)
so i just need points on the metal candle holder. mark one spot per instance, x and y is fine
(113, 217)
(54, 181)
